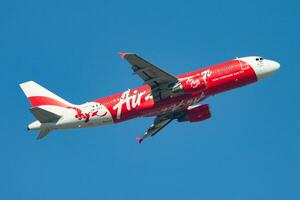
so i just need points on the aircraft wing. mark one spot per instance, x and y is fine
(159, 123)
(158, 79)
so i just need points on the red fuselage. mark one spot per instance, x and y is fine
(197, 85)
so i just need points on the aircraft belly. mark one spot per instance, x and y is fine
(173, 105)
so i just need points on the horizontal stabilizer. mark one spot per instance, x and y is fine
(44, 116)
(43, 133)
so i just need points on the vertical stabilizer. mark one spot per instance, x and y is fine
(39, 96)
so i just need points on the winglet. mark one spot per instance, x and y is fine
(139, 140)
(122, 55)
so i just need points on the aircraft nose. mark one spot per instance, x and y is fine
(273, 65)
(268, 68)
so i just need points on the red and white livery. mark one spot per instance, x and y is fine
(163, 96)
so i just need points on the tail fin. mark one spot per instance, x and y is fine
(39, 96)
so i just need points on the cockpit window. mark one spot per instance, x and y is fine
(258, 59)
(261, 59)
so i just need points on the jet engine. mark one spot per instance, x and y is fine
(196, 113)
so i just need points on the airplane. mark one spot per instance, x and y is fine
(163, 96)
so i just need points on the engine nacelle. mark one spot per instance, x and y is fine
(194, 84)
(196, 114)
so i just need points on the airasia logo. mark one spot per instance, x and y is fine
(131, 101)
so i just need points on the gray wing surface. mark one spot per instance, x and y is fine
(160, 81)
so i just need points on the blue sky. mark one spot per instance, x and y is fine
(249, 149)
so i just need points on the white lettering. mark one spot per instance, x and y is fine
(194, 83)
(206, 73)
(131, 101)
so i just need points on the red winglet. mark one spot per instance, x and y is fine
(139, 140)
(122, 54)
